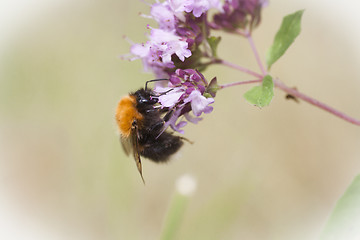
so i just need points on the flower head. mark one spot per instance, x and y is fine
(239, 14)
(182, 43)
(164, 15)
(185, 93)
(198, 7)
(182, 29)
(199, 103)
(157, 53)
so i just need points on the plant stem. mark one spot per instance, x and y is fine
(253, 47)
(240, 83)
(237, 67)
(315, 102)
(185, 187)
(293, 92)
(242, 33)
(174, 217)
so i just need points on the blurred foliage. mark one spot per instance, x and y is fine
(345, 218)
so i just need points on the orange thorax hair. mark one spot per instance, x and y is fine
(126, 113)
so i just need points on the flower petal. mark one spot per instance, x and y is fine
(163, 15)
(199, 103)
(140, 50)
(171, 98)
(192, 119)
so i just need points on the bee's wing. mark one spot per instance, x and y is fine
(131, 144)
(126, 145)
(136, 150)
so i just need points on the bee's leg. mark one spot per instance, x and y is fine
(160, 110)
(157, 126)
(183, 138)
(160, 124)
(167, 118)
(168, 115)
(152, 110)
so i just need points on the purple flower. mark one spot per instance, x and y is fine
(171, 98)
(175, 124)
(198, 7)
(178, 7)
(184, 94)
(168, 43)
(192, 119)
(164, 15)
(157, 53)
(239, 14)
(176, 43)
(199, 103)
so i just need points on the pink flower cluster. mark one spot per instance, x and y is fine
(181, 46)
(156, 54)
(177, 37)
(184, 93)
(239, 14)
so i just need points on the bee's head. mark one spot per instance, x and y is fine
(146, 97)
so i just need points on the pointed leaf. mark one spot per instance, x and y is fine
(213, 43)
(344, 221)
(261, 96)
(289, 30)
(213, 87)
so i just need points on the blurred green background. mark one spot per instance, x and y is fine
(272, 173)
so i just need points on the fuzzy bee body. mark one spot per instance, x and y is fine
(141, 125)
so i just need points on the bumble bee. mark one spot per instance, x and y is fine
(141, 127)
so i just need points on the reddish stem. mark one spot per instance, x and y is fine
(315, 102)
(240, 68)
(253, 47)
(293, 92)
(240, 83)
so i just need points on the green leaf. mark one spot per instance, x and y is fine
(261, 95)
(344, 221)
(213, 87)
(289, 30)
(213, 43)
(174, 217)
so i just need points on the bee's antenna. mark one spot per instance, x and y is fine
(163, 93)
(155, 80)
